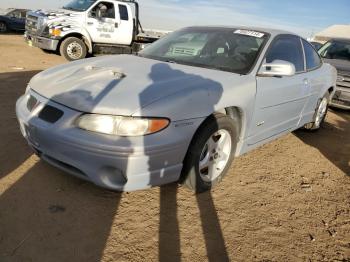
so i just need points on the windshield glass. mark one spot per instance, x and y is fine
(79, 5)
(336, 50)
(225, 49)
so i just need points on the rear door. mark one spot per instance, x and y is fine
(17, 18)
(280, 100)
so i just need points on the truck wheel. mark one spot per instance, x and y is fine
(210, 154)
(3, 27)
(73, 49)
(320, 114)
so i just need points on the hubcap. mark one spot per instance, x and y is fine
(321, 112)
(2, 27)
(74, 50)
(215, 155)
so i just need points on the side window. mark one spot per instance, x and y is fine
(15, 14)
(313, 60)
(23, 14)
(287, 48)
(105, 9)
(123, 12)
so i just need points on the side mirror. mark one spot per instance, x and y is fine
(277, 68)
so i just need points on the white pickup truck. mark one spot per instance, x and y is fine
(85, 27)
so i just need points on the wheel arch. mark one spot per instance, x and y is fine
(81, 36)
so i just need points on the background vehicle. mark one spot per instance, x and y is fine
(85, 27)
(181, 109)
(337, 53)
(13, 20)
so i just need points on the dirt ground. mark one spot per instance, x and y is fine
(286, 201)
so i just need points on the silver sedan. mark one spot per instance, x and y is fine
(180, 110)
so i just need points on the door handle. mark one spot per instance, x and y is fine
(306, 81)
(90, 23)
(116, 25)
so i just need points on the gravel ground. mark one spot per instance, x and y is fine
(286, 201)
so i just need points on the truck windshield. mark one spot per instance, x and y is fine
(79, 5)
(226, 49)
(336, 50)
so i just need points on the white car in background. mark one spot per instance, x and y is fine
(180, 110)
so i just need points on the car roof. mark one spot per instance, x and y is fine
(271, 31)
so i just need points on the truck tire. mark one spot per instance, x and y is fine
(320, 114)
(73, 48)
(3, 27)
(210, 153)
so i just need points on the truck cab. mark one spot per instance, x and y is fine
(85, 27)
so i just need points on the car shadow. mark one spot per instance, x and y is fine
(169, 233)
(332, 140)
(14, 148)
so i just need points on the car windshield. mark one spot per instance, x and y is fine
(79, 5)
(336, 50)
(226, 49)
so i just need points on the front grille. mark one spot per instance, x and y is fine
(32, 103)
(50, 114)
(31, 24)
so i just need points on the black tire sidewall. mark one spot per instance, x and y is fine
(190, 174)
(68, 41)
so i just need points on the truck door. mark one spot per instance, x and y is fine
(280, 100)
(110, 23)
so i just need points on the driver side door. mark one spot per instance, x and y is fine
(280, 100)
(104, 28)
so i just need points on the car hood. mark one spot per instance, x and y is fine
(342, 66)
(121, 85)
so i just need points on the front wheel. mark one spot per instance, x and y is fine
(73, 49)
(320, 114)
(3, 27)
(210, 154)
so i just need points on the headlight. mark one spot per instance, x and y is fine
(121, 126)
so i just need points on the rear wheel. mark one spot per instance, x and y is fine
(320, 114)
(3, 27)
(73, 49)
(210, 154)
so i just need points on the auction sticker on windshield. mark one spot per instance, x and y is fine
(249, 33)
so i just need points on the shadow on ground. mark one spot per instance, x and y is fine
(14, 150)
(333, 142)
(45, 208)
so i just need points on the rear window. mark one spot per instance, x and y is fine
(123, 12)
(313, 60)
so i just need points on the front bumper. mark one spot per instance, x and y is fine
(341, 98)
(117, 163)
(42, 42)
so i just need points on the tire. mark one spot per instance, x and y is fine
(73, 49)
(203, 151)
(320, 114)
(3, 28)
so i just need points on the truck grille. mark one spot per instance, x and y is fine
(32, 24)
